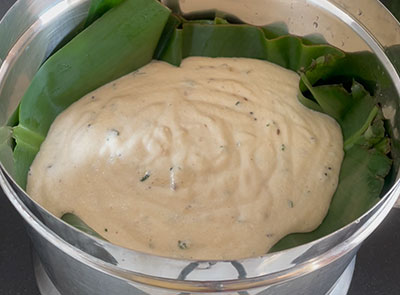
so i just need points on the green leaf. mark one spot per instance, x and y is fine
(275, 30)
(360, 183)
(333, 100)
(98, 8)
(6, 149)
(173, 22)
(227, 40)
(223, 41)
(359, 134)
(309, 103)
(78, 223)
(170, 41)
(345, 86)
(354, 109)
(122, 40)
(365, 163)
(335, 83)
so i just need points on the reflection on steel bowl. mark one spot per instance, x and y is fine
(93, 266)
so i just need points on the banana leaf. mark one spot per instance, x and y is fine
(98, 8)
(6, 149)
(360, 183)
(339, 91)
(78, 223)
(345, 86)
(122, 40)
(226, 40)
(365, 164)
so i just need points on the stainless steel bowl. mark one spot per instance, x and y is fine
(80, 264)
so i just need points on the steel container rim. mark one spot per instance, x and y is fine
(372, 218)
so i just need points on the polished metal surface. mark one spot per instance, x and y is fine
(343, 283)
(80, 264)
(375, 18)
(45, 285)
(31, 37)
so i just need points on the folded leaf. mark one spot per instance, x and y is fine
(170, 36)
(226, 40)
(122, 40)
(98, 8)
(365, 163)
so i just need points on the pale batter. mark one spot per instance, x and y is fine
(215, 159)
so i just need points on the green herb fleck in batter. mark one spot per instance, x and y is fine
(147, 175)
(183, 245)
